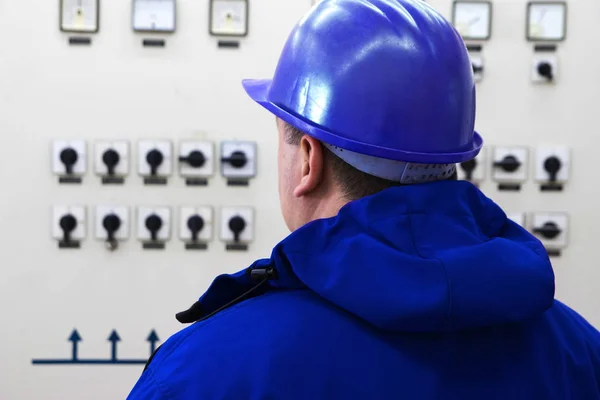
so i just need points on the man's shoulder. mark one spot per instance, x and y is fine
(233, 349)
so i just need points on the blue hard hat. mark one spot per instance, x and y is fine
(385, 78)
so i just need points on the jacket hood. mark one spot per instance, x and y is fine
(423, 258)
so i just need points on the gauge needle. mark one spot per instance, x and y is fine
(474, 20)
(542, 16)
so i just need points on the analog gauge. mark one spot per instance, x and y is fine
(79, 16)
(547, 21)
(154, 15)
(473, 19)
(229, 17)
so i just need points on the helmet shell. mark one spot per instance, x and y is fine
(385, 78)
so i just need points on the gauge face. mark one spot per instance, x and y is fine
(546, 21)
(154, 15)
(229, 17)
(79, 16)
(473, 19)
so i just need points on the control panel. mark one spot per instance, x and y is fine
(137, 169)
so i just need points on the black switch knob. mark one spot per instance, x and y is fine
(237, 225)
(154, 158)
(153, 224)
(552, 165)
(469, 167)
(110, 158)
(111, 223)
(508, 164)
(69, 157)
(67, 224)
(549, 230)
(477, 68)
(545, 69)
(195, 159)
(195, 224)
(237, 159)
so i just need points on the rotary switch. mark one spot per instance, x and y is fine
(549, 230)
(195, 159)
(68, 157)
(544, 69)
(469, 167)
(509, 163)
(195, 224)
(154, 158)
(111, 224)
(111, 159)
(552, 166)
(153, 224)
(237, 225)
(237, 159)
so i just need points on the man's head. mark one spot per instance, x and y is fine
(315, 183)
(383, 90)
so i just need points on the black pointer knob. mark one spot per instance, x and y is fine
(67, 223)
(545, 70)
(111, 224)
(154, 158)
(195, 159)
(195, 224)
(552, 165)
(237, 225)
(69, 158)
(237, 159)
(153, 224)
(508, 164)
(110, 158)
(549, 230)
(468, 167)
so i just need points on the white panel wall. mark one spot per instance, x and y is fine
(190, 90)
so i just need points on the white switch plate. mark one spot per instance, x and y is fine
(206, 212)
(540, 58)
(520, 174)
(165, 147)
(80, 216)
(247, 213)
(121, 147)
(477, 62)
(560, 219)
(207, 149)
(518, 218)
(542, 153)
(120, 211)
(79, 146)
(164, 213)
(480, 167)
(245, 172)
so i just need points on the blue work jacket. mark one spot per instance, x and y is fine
(418, 292)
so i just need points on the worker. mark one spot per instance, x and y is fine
(397, 281)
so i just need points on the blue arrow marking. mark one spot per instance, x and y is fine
(114, 339)
(152, 338)
(75, 339)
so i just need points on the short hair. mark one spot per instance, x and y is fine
(353, 183)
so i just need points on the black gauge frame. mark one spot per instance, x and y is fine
(490, 18)
(210, 20)
(60, 20)
(538, 40)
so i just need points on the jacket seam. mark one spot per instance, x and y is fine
(162, 388)
(442, 265)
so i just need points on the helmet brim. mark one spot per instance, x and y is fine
(258, 90)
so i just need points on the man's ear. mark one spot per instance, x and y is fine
(311, 174)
